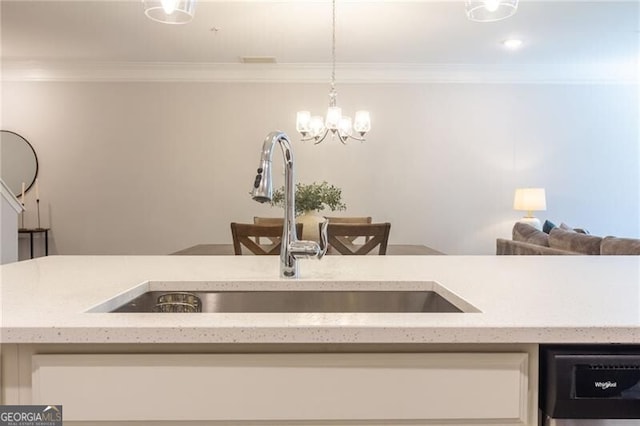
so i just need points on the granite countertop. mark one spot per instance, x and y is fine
(520, 299)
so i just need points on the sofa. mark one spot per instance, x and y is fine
(527, 240)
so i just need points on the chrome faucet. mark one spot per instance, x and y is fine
(291, 248)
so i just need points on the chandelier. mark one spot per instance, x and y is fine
(490, 10)
(170, 11)
(316, 129)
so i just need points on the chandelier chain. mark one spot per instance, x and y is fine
(333, 46)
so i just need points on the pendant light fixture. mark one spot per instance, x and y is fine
(490, 10)
(170, 11)
(315, 128)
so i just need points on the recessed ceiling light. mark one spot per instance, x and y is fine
(512, 43)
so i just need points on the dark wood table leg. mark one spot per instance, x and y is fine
(46, 242)
(31, 244)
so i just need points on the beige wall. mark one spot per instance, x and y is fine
(151, 168)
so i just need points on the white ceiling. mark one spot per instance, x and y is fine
(299, 32)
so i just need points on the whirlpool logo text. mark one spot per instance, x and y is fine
(606, 385)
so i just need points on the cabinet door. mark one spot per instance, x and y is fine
(458, 388)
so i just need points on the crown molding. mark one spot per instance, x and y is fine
(70, 71)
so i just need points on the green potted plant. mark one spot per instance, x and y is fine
(311, 199)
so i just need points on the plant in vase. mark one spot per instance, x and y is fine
(310, 200)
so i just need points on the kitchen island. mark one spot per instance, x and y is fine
(55, 325)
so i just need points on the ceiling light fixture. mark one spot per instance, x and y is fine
(490, 10)
(314, 128)
(170, 11)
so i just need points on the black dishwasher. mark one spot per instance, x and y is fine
(589, 385)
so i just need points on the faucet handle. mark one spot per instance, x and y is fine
(301, 249)
(324, 239)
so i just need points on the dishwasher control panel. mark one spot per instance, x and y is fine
(590, 381)
(620, 381)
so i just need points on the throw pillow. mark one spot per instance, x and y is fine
(548, 226)
(570, 229)
(566, 227)
(528, 234)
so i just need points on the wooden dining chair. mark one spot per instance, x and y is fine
(246, 234)
(339, 237)
(258, 220)
(350, 219)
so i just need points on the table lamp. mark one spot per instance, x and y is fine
(530, 200)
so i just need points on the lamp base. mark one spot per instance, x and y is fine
(533, 221)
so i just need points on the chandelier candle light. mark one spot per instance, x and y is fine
(314, 128)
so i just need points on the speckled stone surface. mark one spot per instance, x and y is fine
(521, 299)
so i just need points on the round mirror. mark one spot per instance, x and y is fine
(18, 161)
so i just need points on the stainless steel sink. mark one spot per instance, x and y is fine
(289, 301)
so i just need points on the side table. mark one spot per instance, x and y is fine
(44, 231)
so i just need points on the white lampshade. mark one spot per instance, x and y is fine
(344, 127)
(170, 11)
(334, 114)
(303, 120)
(362, 122)
(490, 10)
(530, 199)
(316, 126)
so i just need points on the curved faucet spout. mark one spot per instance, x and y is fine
(263, 184)
(291, 249)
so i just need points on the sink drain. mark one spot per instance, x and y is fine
(178, 302)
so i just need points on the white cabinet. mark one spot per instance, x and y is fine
(336, 388)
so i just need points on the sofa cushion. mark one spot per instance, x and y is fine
(574, 241)
(510, 247)
(620, 246)
(528, 234)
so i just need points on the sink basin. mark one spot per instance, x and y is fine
(289, 301)
(279, 297)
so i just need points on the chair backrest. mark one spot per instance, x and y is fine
(269, 221)
(246, 234)
(340, 237)
(350, 219)
(333, 219)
